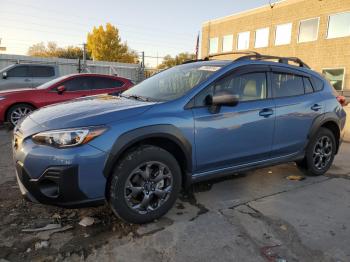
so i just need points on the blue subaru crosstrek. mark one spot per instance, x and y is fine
(196, 121)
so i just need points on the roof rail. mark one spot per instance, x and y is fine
(280, 59)
(195, 60)
(252, 55)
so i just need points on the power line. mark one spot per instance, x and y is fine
(151, 29)
(81, 26)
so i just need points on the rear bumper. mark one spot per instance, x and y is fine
(57, 186)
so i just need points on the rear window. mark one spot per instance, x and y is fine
(42, 71)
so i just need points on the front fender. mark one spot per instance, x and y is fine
(132, 137)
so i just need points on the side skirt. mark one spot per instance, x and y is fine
(197, 177)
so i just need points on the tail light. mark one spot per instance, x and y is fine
(342, 100)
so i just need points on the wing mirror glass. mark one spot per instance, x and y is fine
(61, 89)
(4, 75)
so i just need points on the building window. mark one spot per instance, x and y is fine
(339, 25)
(227, 43)
(283, 34)
(213, 45)
(335, 76)
(243, 40)
(262, 37)
(308, 30)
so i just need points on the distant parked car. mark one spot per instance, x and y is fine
(15, 104)
(26, 75)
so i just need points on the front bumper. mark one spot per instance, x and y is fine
(57, 186)
(71, 177)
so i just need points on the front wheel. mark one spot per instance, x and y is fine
(320, 153)
(17, 112)
(144, 185)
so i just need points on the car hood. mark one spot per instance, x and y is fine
(12, 91)
(88, 111)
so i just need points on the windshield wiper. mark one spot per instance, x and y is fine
(136, 97)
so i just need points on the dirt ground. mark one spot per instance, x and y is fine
(257, 216)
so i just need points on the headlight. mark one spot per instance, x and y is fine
(2, 98)
(68, 137)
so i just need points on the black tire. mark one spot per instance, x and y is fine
(317, 160)
(18, 107)
(126, 171)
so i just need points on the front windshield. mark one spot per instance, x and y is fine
(172, 83)
(50, 83)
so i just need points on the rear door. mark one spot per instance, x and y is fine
(41, 74)
(106, 85)
(297, 105)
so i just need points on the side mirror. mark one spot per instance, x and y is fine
(4, 75)
(221, 99)
(61, 89)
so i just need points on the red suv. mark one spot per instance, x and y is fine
(15, 104)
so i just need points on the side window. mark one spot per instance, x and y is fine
(41, 71)
(248, 87)
(308, 85)
(18, 71)
(285, 85)
(318, 84)
(106, 83)
(78, 84)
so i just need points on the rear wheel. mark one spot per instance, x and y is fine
(319, 153)
(144, 185)
(17, 112)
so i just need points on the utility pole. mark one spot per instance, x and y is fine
(2, 48)
(84, 56)
(143, 59)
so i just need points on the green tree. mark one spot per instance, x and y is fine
(105, 44)
(52, 50)
(169, 61)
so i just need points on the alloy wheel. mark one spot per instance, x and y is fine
(18, 113)
(322, 153)
(148, 187)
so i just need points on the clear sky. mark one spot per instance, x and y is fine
(158, 27)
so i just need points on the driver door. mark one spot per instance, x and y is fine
(74, 88)
(239, 135)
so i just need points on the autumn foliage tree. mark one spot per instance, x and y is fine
(169, 61)
(52, 50)
(105, 44)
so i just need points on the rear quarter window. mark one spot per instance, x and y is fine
(317, 84)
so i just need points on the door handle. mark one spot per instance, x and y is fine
(266, 112)
(26, 80)
(316, 107)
